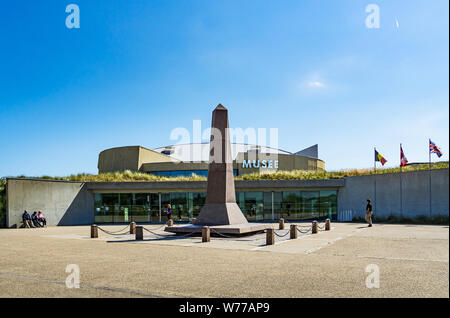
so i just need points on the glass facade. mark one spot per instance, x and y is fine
(256, 205)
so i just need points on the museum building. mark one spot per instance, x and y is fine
(257, 204)
(187, 159)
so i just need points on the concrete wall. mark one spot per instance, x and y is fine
(415, 194)
(63, 203)
(72, 203)
(128, 158)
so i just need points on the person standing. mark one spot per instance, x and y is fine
(169, 212)
(369, 213)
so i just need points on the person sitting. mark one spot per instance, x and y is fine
(35, 220)
(41, 218)
(27, 220)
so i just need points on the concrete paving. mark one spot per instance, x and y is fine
(413, 261)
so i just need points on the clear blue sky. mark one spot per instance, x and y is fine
(137, 69)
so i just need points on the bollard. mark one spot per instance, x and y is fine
(139, 233)
(314, 227)
(270, 237)
(94, 231)
(170, 222)
(205, 234)
(327, 224)
(132, 228)
(293, 234)
(193, 220)
(281, 224)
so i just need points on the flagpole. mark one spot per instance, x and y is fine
(375, 181)
(401, 186)
(429, 170)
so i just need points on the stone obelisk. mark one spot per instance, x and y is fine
(220, 207)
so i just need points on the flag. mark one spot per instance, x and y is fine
(435, 149)
(403, 160)
(380, 158)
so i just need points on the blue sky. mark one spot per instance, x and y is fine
(135, 70)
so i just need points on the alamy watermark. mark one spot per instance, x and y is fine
(73, 279)
(261, 145)
(73, 19)
(373, 19)
(373, 279)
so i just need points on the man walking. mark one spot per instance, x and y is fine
(369, 213)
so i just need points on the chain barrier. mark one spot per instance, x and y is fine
(118, 230)
(288, 231)
(162, 235)
(164, 225)
(304, 232)
(223, 235)
(115, 232)
(304, 226)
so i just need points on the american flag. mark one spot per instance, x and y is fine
(435, 149)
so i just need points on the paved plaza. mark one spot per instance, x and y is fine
(413, 261)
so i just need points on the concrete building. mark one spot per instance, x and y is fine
(77, 203)
(186, 159)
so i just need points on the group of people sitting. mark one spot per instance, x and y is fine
(37, 219)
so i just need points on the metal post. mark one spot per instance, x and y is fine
(132, 228)
(293, 231)
(139, 233)
(206, 234)
(375, 184)
(401, 193)
(327, 224)
(429, 183)
(94, 231)
(281, 224)
(314, 227)
(270, 236)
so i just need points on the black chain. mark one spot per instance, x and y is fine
(283, 234)
(114, 232)
(223, 235)
(161, 235)
(304, 232)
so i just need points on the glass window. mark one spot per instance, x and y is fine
(198, 201)
(251, 204)
(310, 204)
(105, 206)
(256, 205)
(291, 206)
(328, 204)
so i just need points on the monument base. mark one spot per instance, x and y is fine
(233, 229)
(220, 214)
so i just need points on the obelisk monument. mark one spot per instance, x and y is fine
(220, 206)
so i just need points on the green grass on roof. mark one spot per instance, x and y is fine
(128, 176)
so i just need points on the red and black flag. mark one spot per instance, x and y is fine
(380, 158)
(403, 160)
